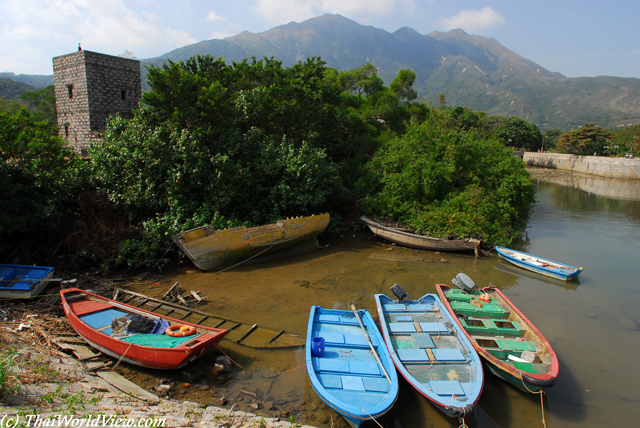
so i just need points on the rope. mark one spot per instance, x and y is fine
(158, 261)
(122, 356)
(543, 422)
(230, 267)
(287, 371)
(212, 273)
(541, 392)
(372, 418)
(230, 359)
(462, 424)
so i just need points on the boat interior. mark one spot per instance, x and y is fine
(347, 366)
(428, 347)
(500, 332)
(113, 319)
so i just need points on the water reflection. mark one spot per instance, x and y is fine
(516, 272)
(617, 189)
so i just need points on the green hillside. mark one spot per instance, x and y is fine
(473, 71)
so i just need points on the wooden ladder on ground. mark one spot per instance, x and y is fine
(251, 335)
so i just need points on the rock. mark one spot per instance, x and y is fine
(163, 388)
(191, 375)
(201, 384)
(255, 406)
(223, 364)
(222, 401)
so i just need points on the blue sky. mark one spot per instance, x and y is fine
(572, 37)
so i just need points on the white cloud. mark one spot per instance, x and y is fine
(219, 35)
(283, 11)
(473, 20)
(50, 28)
(213, 16)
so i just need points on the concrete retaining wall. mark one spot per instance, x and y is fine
(605, 167)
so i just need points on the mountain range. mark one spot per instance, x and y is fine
(473, 71)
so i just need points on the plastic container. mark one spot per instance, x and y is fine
(317, 347)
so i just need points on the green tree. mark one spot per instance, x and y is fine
(627, 139)
(42, 104)
(241, 144)
(36, 175)
(517, 132)
(10, 106)
(361, 82)
(451, 183)
(402, 85)
(589, 139)
(551, 139)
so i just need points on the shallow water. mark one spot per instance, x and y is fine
(591, 323)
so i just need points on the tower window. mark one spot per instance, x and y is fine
(66, 130)
(70, 89)
(123, 94)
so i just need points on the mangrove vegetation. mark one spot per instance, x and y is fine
(248, 143)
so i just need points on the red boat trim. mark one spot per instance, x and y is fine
(538, 380)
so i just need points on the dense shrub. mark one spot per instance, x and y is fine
(450, 182)
(37, 177)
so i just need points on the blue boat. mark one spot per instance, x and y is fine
(22, 281)
(539, 265)
(357, 383)
(431, 352)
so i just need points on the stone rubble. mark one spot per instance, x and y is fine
(101, 405)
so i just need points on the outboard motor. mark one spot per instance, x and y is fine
(399, 293)
(463, 282)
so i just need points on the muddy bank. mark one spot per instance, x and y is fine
(45, 383)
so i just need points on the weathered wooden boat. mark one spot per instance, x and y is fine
(431, 352)
(22, 281)
(539, 265)
(399, 234)
(349, 365)
(211, 249)
(511, 346)
(107, 325)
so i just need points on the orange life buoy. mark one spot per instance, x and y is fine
(180, 330)
(485, 298)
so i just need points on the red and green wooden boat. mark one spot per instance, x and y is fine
(511, 346)
(96, 319)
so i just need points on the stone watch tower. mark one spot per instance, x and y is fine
(89, 87)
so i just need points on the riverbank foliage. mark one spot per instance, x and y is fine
(448, 178)
(249, 143)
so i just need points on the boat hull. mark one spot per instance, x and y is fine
(398, 235)
(539, 265)
(432, 353)
(502, 336)
(21, 281)
(347, 376)
(211, 249)
(86, 310)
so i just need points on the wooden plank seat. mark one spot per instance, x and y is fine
(415, 307)
(491, 310)
(447, 387)
(422, 355)
(357, 383)
(418, 327)
(502, 348)
(336, 365)
(352, 340)
(492, 327)
(337, 319)
(423, 340)
(516, 345)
